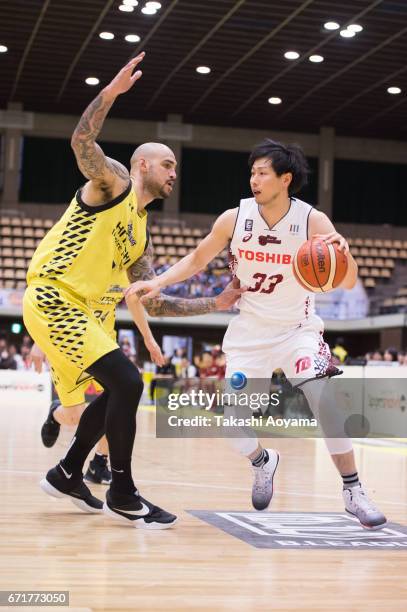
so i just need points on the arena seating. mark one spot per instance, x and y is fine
(18, 240)
(20, 236)
(377, 258)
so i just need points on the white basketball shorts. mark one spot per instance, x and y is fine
(257, 349)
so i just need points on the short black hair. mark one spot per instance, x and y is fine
(285, 158)
(393, 352)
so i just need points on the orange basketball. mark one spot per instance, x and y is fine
(319, 266)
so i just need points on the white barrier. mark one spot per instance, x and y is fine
(381, 397)
(22, 389)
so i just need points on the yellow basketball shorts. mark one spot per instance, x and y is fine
(69, 334)
(70, 398)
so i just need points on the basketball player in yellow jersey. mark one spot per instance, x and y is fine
(102, 231)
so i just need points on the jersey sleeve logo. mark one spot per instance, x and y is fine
(248, 225)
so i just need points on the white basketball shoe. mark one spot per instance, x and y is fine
(262, 490)
(358, 504)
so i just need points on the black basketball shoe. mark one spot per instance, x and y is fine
(98, 471)
(59, 483)
(137, 511)
(50, 429)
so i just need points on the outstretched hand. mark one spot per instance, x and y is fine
(125, 79)
(145, 289)
(229, 296)
(155, 352)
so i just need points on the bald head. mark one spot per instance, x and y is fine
(150, 151)
(153, 167)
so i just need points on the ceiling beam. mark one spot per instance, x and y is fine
(194, 50)
(362, 93)
(142, 45)
(385, 111)
(252, 51)
(339, 73)
(85, 43)
(28, 48)
(304, 57)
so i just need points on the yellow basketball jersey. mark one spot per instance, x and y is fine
(89, 245)
(104, 308)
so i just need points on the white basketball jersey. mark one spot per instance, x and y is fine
(262, 260)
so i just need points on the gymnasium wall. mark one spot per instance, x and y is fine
(48, 175)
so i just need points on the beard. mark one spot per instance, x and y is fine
(156, 189)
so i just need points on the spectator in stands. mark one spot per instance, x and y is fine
(187, 369)
(206, 367)
(216, 351)
(179, 355)
(27, 341)
(220, 362)
(197, 363)
(213, 364)
(390, 354)
(400, 357)
(335, 359)
(339, 351)
(25, 363)
(3, 345)
(13, 354)
(165, 371)
(7, 361)
(377, 355)
(168, 369)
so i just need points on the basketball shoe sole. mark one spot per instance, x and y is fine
(57, 485)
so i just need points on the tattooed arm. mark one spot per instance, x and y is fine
(167, 306)
(104, 173)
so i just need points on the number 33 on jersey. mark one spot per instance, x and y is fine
(261, 259)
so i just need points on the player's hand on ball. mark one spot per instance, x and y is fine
(334, 237)
(155, 352)
(36, 357)
(125, 78)
(145, 290)
(230, 295)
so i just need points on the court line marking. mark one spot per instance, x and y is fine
(198, 485)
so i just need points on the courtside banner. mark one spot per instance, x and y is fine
(335, 407)
(19, 388)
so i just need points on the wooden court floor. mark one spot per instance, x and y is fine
(49, 544)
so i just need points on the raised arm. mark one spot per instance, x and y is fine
(207, 249)
(104, 174)
(168, 306)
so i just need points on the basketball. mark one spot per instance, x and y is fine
(319, 266)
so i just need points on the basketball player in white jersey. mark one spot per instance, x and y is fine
(277, 326)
